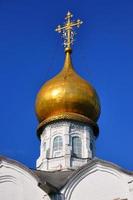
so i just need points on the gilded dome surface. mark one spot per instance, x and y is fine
(68, 96)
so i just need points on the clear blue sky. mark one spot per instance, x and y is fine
(31, 53)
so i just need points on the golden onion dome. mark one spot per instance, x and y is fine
(67, 96)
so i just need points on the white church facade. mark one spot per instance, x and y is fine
(67, 108)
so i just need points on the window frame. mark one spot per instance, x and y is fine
(57, 146)
(78, 146)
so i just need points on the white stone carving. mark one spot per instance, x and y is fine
(64, 159)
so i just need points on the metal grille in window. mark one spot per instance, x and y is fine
(91, 146)
(57, 143)
(76, 146)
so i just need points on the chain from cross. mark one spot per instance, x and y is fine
(68, 30)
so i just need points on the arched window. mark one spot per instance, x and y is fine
(44, 146)
(57, 146)
(76, 146)
(91, 146)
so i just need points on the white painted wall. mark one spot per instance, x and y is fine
(65, 129)
(100, 183)
(16, 183)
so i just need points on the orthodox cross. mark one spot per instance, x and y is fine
(67, 30)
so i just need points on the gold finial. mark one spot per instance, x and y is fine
(68, 31)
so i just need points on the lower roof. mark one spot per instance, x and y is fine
(53, 181)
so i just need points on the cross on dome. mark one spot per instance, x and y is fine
(67, 30)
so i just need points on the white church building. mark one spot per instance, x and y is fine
(67, 108)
